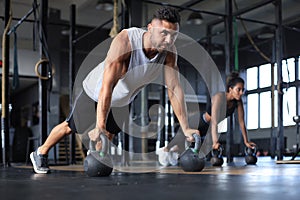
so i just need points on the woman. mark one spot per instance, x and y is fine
(213, 115)
(232, 100)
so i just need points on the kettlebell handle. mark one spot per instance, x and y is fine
(246, 150)
(105, 143)
(220, 151)
(197, 143)
(92, 145)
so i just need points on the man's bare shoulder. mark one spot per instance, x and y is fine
(123, 34)
(120, 47)
(122, 38)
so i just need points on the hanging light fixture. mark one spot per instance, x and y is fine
(217, 50)
(106, 5)
(266, 33)
(195, 18)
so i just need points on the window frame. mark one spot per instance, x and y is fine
(259, 90)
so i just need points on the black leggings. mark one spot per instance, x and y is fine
(203, 125)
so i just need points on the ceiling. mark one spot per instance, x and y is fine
(211, 10)
(88, 15)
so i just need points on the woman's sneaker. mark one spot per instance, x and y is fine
(173, 155)
(163, 157)
(173, 158)
(40, 163)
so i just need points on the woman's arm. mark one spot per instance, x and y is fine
(218, 113)
(240, 109)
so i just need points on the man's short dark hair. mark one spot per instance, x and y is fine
(167, 13)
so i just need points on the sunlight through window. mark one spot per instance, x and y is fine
(252, 111)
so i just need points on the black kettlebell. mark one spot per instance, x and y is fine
(250, 157)
(98, 163)
(217, 157)
(190, 160)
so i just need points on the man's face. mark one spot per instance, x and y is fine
(163, 34)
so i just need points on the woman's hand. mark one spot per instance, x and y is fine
(216, 145)
(250, 145)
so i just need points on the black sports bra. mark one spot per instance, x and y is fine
(229, 111)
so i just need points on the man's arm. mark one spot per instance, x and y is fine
(116, 65)
(176, 95)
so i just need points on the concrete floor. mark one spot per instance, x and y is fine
(265, 180)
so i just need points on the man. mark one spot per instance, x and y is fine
(134, 59)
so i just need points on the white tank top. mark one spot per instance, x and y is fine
(141, 71)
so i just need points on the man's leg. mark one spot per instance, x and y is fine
(57, 133)
(39, 158)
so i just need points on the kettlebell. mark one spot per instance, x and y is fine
(217, 157)
(98, 163)
(190, 160)
(250, 157)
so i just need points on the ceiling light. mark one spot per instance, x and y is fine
(106, 5)
(217, 50)
(265, 33)
(67, 32)
(195, 18)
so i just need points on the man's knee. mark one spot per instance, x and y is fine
(67, 129)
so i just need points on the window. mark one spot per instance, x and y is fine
(252, 78)
(263, 71)
(289, 106)
(298, 68)
(222, 126)
(259, 99)
(288, 70)
(265, 109)
(252, 111)
(275, 109)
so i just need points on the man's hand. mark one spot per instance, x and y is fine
(189, 134)
(98, 145)
(94, 134)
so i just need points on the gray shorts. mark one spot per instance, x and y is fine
(82, 117)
